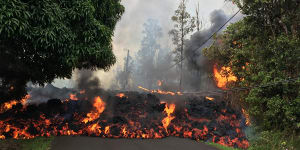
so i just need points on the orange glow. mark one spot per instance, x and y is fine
(73, 97)
(223, 76)
(8, 105)
(99, 107)
(137, 123)
(209, 98)
(121, 95)
(167, 120)
(159, 83)
(246, 115)
(82, 92)
(94, 128)
(160, 91)
(107, 130)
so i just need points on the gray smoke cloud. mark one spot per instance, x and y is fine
(198, 67)
(86, 82)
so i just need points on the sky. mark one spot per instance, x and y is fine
(128, 32)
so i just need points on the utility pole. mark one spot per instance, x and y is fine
(198, 22)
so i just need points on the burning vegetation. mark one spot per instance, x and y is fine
(127, 115)
(223, 76)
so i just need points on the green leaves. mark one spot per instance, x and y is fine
(47, 39)
(272, 54)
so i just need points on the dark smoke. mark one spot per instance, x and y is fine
(198, 67)
(86, 82)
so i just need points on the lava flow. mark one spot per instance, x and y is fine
(132, 116)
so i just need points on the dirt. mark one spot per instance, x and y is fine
(96, 143)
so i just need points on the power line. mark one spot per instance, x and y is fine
(195, 50)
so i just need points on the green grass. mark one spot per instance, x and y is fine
(221, 147)
(39, 143)
(272, 140)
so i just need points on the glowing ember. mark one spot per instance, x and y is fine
(121, 95)
(223, 76)
(73, 97)
(160, 91)
(8, 105)
(209, 98)
(246, 114)
(99, 107)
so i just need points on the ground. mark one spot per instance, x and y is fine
(95, 143)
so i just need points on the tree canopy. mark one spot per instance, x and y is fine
(263, 51)
(46, 39)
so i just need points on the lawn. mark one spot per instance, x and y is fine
(221, 147)
(39, 143)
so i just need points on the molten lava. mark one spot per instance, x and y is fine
(160, 91)
(223, 76)
(121, 95)
(169, 109)
(247, 116)
(8, 105)
(99, 107)
(209, 98)
(136, 116)
(73, 97)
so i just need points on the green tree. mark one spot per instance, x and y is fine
(184, 24)
(46, 39)
(263, 49)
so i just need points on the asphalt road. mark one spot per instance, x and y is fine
(94, 143)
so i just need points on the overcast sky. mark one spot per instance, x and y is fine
(128, 33)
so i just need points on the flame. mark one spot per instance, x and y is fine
(8, 105)
(99, 107)
(121, 95)
(246, 114)
(73, 97)
(223, 76)
(209, 98)
(169, 109)
(107, 130)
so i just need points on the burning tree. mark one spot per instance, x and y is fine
(43, 40)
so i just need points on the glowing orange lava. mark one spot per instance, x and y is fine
(121, 95)
(73, 97)
(160, 91)
(169, 109)
(246, 114)
(8, 105)
(99, 107)
(223, 76)
(209, 98)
